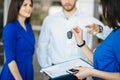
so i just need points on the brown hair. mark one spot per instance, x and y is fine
(111, 12)
(14, 8)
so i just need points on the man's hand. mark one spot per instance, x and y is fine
(94, 29)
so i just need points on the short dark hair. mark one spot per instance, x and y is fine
(111, 12)
(14, 8)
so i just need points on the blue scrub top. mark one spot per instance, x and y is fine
(107, 55)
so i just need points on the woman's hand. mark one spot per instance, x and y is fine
(78, 33)
(83, 72)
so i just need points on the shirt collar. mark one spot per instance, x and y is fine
(75, 14)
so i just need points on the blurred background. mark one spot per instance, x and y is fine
(41, 9)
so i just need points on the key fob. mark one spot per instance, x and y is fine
(69, 34)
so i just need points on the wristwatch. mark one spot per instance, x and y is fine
(101, 29)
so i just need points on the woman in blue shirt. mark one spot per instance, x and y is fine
(106, 59)
(19, 42)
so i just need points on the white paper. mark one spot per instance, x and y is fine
(60, 69)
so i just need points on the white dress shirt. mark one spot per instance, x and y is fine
(53, 42)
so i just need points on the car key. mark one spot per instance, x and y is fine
(69, 34)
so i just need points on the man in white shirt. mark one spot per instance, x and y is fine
(53, 41)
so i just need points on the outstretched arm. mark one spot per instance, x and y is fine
(78, 33)
(99, 30)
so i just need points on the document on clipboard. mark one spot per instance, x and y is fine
(62, 68)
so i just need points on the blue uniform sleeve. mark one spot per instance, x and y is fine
(116, 46)
(9, 40)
